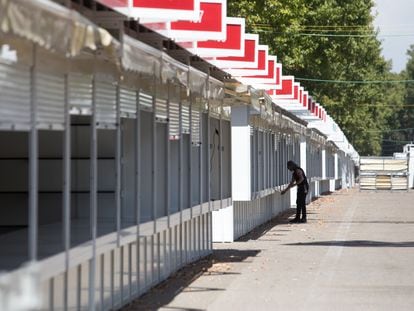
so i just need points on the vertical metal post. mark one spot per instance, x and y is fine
(257, 162)
(137, 196)
(154, 248)
(129, 271)
(208, 158)
(168, 177)
(66, 190)
(112, 278)
(220, 151)
(269, 158)
(51, 294)
(168, 155)
(93, 180)
(102, 289)
(200, 173)
(33, 162)
(121, 274)
(118, 171)
(79, 287)
(253, 159)
(189, 172)
(266, 167)
(180, 173)
(272, 158)
(145, 262)
(154, 156)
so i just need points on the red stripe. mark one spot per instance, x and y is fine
(187, 5)
(249, 53)
(210, 21)
(233, 40)
(286, 87)
(270, 71)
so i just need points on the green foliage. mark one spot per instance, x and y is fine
(363, 111)
(403, 119)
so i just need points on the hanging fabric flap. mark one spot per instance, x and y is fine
(140, 57)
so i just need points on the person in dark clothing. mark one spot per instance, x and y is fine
(298, 179)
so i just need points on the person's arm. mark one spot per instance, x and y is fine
(291, 184)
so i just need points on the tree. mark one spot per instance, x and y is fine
(329, 40)
(401, 129)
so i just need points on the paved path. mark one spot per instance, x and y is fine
(355, 253)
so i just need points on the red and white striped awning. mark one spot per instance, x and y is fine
(271, 78)
(233, 45)
(211, 24)
(250, 59)
(159, 10)
(261, 69)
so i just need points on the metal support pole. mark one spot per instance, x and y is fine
(254, 171)
(200, 171)
(33, 163)
(189, 171)
(168, 155)
(221, 156)
(168, 180)
(102, 279)
(118, 171)
(154, 157)
(209, 160)
(137, 196)
(272, 160)
(66, 191)
(121, 274)
(93, 180)
(180, 174)
(78, 287)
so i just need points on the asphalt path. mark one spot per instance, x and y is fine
(355, 253)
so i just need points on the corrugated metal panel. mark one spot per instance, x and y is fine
(399, 182)
(383, 182)
(383, 174)
(105, 104)
(185, 119)
(14, 97)
(145, 101)
(378, 164)
(50, 94)
(174, 120)
(80, 93)
(161, 109)
(195, 127)
(128, 102)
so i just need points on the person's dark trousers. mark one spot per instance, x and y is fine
(301, 204)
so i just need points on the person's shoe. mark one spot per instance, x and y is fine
(294, 220)
(303, 220)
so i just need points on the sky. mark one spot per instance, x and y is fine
(395, 20)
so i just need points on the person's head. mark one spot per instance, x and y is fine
(291, 165)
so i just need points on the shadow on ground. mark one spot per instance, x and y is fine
(355, 243)
(162, 294)
(263, 229)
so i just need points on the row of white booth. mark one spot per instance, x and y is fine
(121, 162)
